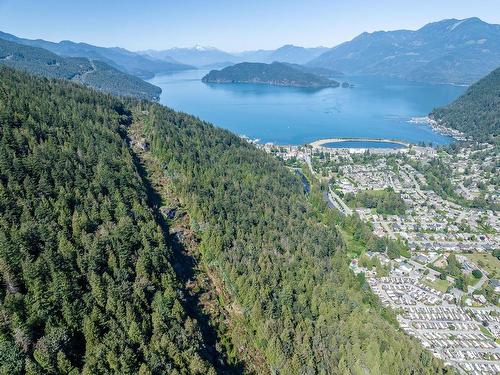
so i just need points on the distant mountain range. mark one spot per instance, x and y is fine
(197, 56)
(449, 51)
(119, 58)
(210, 56)
(288, 53)
(277, 74)
(92, 73)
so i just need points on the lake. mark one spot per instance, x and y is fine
(363, 144)
(375, 108)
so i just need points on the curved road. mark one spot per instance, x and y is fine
(320, 142)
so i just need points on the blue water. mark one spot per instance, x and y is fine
(375, 108)
(363, 144)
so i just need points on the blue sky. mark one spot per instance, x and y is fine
(230, 25)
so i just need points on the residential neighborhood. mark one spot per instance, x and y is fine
(446, 292)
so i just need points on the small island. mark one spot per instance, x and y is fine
(277, 74)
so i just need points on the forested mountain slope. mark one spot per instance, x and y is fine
(95, 74)
(86, 282)
(86, 278)
(287, 273)
(119, 58)
(477, 112)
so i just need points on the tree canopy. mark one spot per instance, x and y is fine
(477, 112)
(87, 283)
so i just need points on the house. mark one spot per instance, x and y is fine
(495, 284)
(406, 268)
(422, 259)
(480, 298)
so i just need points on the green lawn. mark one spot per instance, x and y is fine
(486, 261)
(486, 331)
(354, 248)
(438, 284)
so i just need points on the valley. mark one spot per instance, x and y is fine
(329, 206)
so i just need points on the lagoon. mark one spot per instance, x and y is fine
(375, 108)
(363, 144)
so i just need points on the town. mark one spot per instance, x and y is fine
(445, 289)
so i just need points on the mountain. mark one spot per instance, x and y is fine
(94, 280)
(277, 74)
(87, 285)
(323, 72)
(477, 112)
(119, 58)
(449, 51)
(217, 65)
(197, 56)
(296, 55)
(209, 56)
(95, 74)
(288, 53)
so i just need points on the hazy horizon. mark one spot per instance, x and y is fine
(226, 25)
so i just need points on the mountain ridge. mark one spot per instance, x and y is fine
(446, 51)
(200, 56)
(93, 73)
(117, 57)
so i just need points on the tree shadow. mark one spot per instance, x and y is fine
(185, 268)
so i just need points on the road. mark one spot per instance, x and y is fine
(388, 230)
(83, 76)
(333, 199)
(338, 203)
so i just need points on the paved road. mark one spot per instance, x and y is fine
(333, 199)
(388, 230)
(338, 203)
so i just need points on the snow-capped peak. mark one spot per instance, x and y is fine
(203, 48)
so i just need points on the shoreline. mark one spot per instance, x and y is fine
(438, 128)
(321, 142)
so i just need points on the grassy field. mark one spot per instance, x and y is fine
(487, 262)
(355, 249)
(438, 284)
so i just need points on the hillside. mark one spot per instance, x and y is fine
(323, 72)
(86, 280)
(95, 74)
(477, 112)
(449, 51)
(277, 74)
(86, 269)
(119, 58)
